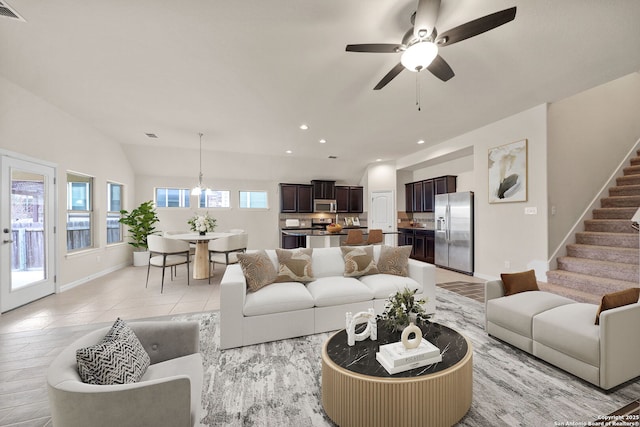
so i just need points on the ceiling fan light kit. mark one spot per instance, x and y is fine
(420, 43)
(419, 56)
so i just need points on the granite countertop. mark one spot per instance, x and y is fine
(322, 233)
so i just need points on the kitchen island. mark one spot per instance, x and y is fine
(311, 238)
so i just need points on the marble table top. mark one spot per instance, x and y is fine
(361, 358)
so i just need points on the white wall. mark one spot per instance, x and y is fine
(260, 224)
(503, 234)
(32, 127)
(589, 135)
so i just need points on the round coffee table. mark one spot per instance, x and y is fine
(358, 391)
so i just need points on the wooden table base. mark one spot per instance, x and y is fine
(439, 399)
(201, 260)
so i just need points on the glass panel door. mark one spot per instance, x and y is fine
(27, 246)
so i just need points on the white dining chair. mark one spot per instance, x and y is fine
(225, 250)
(165, 252)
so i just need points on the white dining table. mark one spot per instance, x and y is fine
(201, 259)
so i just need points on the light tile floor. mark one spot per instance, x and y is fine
(31, 336)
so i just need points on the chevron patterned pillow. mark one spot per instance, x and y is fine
(118, 359)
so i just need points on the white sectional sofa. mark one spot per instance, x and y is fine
(292, 309)
(562, 332)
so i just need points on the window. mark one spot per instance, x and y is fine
(114, 204)
(172, 197)
(79, 212)
(253, 200)
(215, 199)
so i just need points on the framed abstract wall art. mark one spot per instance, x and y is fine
(508, 173)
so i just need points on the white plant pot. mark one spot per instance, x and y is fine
(140, 258)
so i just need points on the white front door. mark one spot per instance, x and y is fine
(27, 240)
(382, 214)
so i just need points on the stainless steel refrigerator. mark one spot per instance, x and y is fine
(454, 231)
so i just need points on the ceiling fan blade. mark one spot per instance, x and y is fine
(390, 76)
(475, 27)
(425, 18)
(440, 69)
(374, 48)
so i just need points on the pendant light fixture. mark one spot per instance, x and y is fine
(197, 190)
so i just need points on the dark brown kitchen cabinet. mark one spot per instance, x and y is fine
(293, 241)
(420, 195)
(296, 198)
(428, 199)
(445, 184)
(422, 243)
(417, 197)
(323, 189)
(408, 197)
(305, 198)
(349, 199)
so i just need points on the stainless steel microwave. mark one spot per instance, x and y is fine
(324, 205)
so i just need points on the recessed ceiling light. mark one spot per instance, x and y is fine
(304, 126)
(322, 141)
(288, 151)
(421, 141)
(378, 160)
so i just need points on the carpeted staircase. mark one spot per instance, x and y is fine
(606, 254)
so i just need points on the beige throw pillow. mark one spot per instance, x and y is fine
(295, 265)
(358, 261)
(258, 269)
(394, 260)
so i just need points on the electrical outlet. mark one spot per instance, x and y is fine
(531, 210)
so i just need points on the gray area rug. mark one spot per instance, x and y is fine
(278, 383)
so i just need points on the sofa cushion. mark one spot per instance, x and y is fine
(338, 290)
(276, 298)
(569, 329)
(383, 285)
(327, 262)
(519, 282)
(617, 299)
(119, 358)
(258, 269)
(515, 312)
(294, 265)
(358, 261)
(394, 260)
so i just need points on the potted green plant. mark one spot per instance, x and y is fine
(402, 308)
(141, 222)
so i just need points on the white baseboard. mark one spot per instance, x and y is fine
(86, 279)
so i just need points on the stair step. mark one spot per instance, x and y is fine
(635, 160)
(597, 268)
(614, 213)
(597, 286)
(620, 202)
(628, 180)
(609, 225)
(631, 170)
(620, 240)
(625, 190)
(604, 253)
(571, 293)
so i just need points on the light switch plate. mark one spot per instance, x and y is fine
(532, 210)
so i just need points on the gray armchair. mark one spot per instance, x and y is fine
(169, 393)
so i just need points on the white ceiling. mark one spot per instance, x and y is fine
(248, 73)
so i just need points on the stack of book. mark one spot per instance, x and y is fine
(395, 358)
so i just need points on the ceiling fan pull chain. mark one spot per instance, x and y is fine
(418, 92)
